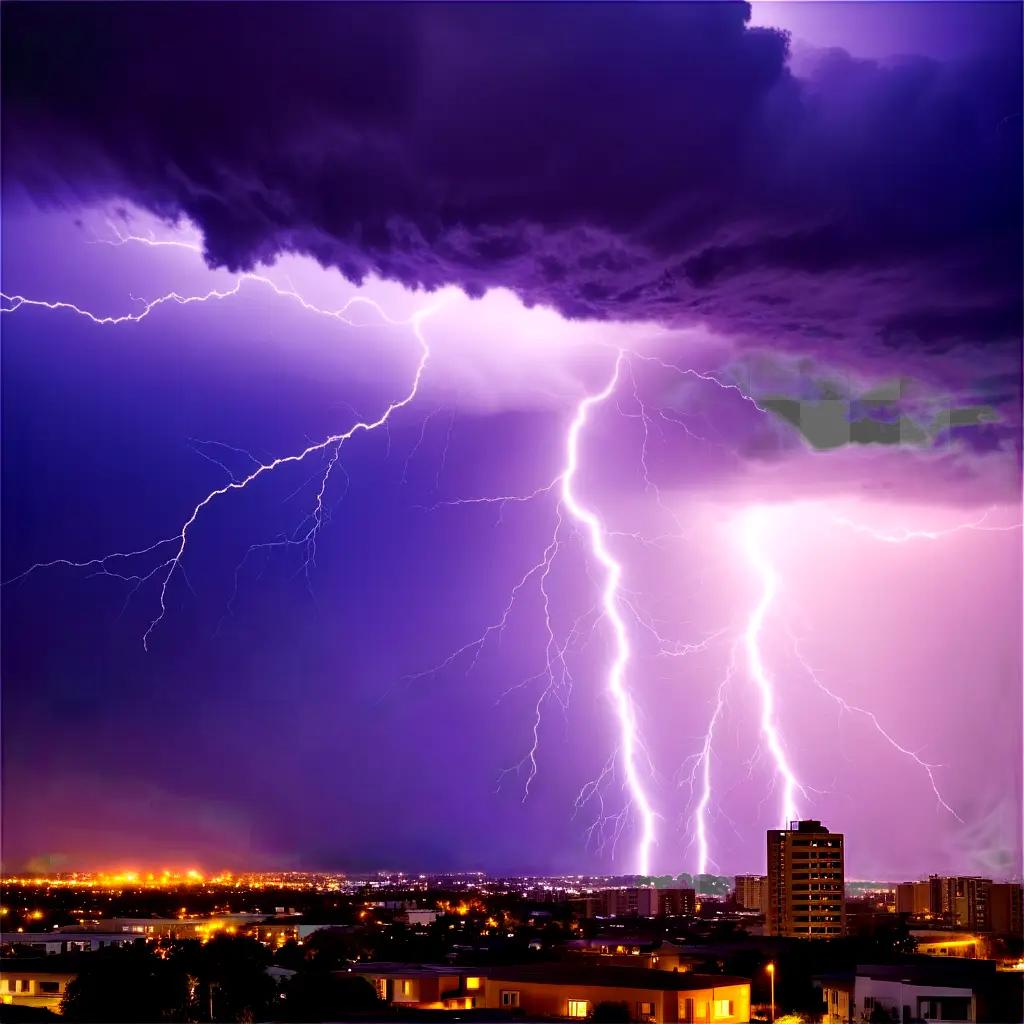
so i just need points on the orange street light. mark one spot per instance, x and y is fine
(771, 978)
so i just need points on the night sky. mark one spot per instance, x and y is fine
(766, 262)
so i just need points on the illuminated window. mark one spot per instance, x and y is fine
(577, 1008)
(406, 988)
(509, 998)
(645, 1010)
(722, 1008)
(472, 983)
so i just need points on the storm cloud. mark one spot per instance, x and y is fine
(634, 162)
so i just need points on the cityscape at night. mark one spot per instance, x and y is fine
(512, 511)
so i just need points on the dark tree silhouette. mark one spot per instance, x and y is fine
(323, 995)
(126, 985)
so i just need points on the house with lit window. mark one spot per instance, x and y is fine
(958, 991)
(35, 982)
(425, 986)
(570, 991)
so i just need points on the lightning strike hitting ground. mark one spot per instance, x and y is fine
(765, 574)
(556, 671)
(701, 764)
(617, 682)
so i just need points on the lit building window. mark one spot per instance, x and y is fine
(723, 1008)
(577, 1008)
(406, 988)
(472, 983)
(646, 1010)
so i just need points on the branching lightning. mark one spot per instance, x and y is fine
(613, 608)
(845, 705)
(175, 545)
(617, 685)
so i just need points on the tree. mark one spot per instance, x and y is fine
(611, 1013)
(232, 981)
(126, 985)
(323, 995)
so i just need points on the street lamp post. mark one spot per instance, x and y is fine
(771, 980)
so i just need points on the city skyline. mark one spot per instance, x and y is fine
(582, 476)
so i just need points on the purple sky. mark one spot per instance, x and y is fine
(808, 251)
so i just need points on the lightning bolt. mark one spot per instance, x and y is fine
(611, 603)
(905, 534)
(574, 517)
(764, 572)
(702, 766)
(175, 546)
(929, 769)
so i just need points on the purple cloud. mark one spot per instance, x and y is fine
(617, 161)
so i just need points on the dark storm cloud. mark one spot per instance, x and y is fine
(614, 161)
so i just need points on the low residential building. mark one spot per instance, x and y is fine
(425, 986)
(573, 992)
(954, 992)
(948, 942)
(181, 927)
(569, 991)
(418, 917)
(56, 942)
(34, 982)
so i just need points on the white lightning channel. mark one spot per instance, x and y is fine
(765, 573)
(625, 709)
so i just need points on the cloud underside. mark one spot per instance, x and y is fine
(640, 162)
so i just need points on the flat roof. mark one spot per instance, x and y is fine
(13, 938)
(400, 970)
(612, 976)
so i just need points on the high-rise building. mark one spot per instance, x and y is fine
(677, 902)
(914, 898)
(1006, 913)
(806, 890)
(647, 901)
(961, 900)
(751, 892)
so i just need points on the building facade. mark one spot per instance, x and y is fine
(566, 991)
(34, 983)
(964, 901)
(751, 892)
(647, 901)
(806, 882)
(1006, 908)
(914, 898)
